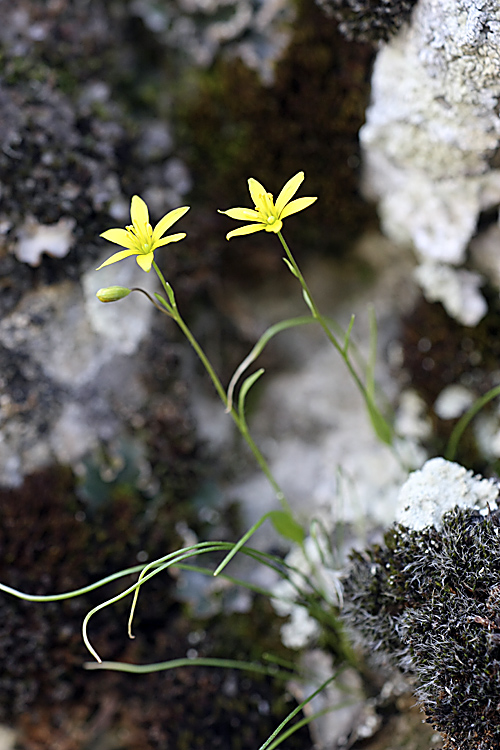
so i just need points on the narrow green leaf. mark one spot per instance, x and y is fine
(240, 543)
(372, 359)
(270, 741)
(163, 301)
(464, 420)
(170, 294)
(308, 301)
(305, 721)
(247, 384)
(347, 336)
(382, 428)
(247, 666)
(290, 267)
(286, 525)
(258, 348)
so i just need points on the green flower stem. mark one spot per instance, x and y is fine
(269, 743)
(317, 315)
(375, 415)
(240, 423)
(246, 666)
(153, 302)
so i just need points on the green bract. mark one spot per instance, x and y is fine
(112, 293)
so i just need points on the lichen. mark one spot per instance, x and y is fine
(255, 31)
(430, 139)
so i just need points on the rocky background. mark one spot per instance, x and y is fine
(113, 450)
(103, 460)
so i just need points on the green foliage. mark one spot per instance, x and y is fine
(287, 526)
(141, 241)
(462, 423)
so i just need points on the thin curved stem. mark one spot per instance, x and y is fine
(380, 425)
(240, 423)
(70, 594)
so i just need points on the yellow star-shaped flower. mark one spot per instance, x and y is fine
(139, 238)
(267, 214)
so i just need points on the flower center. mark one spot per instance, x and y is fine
(266, 209)
(142, 236)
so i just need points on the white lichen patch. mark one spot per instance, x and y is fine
(34, 239)
(453, 401)
(484, 254)
(256, 32)
(439, 487)
(411, 421)
(300, 630)
(487, 434)
(311, 568)
(431, 130)
(457, 289)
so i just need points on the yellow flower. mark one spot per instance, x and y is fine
(268, 215)
(140, 238)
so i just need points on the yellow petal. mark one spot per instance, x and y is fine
(258, 192)
(119, 237)
(146, 261)
(297, 205)
(248, 229)
(139, 211)
(116, 257)
(243, 214)
(167, 221)
(170, 238)
(288, 191)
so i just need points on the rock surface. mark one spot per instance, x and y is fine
(431, 134)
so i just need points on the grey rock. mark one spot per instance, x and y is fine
(432, 129)
(257, 31)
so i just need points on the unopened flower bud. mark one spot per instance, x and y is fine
(112, 293)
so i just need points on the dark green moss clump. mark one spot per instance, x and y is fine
(428, 602)
(307, 119)
(439, 352)
(369, 20)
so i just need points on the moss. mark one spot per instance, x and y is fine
(234, 127)
(51, 541)
(438, 352)
(370, 20)
(429, 602)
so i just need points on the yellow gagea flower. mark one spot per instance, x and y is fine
(268, 215)
(140, 238)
